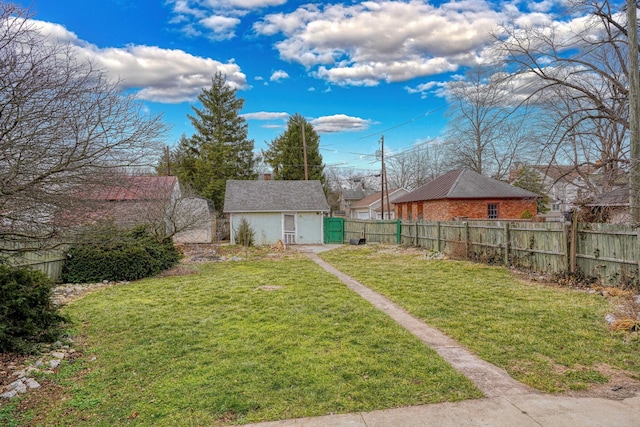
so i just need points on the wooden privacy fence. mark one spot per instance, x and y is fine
(374, 231)
(49, 262)
(607, 252)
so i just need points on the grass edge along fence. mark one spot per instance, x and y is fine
(610, 253)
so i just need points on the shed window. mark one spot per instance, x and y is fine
(492, 210)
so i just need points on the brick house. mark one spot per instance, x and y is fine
(466, 194)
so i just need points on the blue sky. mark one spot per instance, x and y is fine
(355, 69)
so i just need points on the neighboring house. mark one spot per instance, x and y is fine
(155, 200)
(564, 185)
(370, 206)
(351, 196)
(465, 194)
(290, 211)
(611, 207)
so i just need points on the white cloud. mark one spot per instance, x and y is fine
(424, 89)
(216, 19)
(339, 123)
(265, 115)
(279, 75)
(222, 26)
(157, 74)
(373, 41)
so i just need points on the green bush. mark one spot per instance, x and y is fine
(244, 234)
(27, 314)
(526, 214)
(110, 253)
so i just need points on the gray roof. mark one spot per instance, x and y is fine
(616, 197)
(356, 193)
(274, 196)
(465, 184)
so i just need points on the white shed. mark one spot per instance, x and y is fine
(291, 211)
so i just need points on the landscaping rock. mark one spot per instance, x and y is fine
(14, 385)
(9, 394)
(54, 363)
(57, 354)
(31, 383)
(17, 386)
(610, 318)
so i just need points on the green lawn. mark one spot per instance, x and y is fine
(218, 347)
(550, 338)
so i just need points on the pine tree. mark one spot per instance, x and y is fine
(285, 154)
(529, 179)
(219, 149)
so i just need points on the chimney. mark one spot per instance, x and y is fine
(266, 177)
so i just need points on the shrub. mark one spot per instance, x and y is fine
(110, 253)
(526, 214)
(244, 234)
(27, 314)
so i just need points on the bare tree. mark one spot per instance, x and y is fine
(580, 74)
(486, 133)
(412, 168)
(63, 126)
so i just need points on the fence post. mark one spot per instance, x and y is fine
(438, 244)
(467, 239)
(398, 231)
(574, 242)
(507, 244)
(415, 238)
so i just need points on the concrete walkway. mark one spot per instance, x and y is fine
(490, 379)
(508, 402)
(521, 411)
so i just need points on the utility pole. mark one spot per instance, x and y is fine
(382, 176)
(386, 184)
(168, 158)
(304, 152)
(634, 112)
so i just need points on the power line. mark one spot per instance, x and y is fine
(404, 123)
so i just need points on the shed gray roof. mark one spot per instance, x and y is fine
(465, 184)
(274, 196)
(616, 197)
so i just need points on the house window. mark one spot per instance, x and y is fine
(555, 207)
(492, 210)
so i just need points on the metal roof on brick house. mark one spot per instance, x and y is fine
(465, 184)
(274, 196)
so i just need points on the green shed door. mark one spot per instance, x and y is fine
(333, 230)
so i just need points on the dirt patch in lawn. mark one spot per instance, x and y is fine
(620, 385)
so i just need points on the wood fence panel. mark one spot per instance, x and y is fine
(487, 241)
(353, 229)
(539, 246)
(608, 252)
(49, 262)
(429, 235)
(373, 231)
(453, 240)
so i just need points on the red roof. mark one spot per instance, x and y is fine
(465, 184)
(137, 188)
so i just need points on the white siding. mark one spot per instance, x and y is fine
(268, 227)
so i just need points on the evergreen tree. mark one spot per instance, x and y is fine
(285, 154)
(529, 179)
(219, 149)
